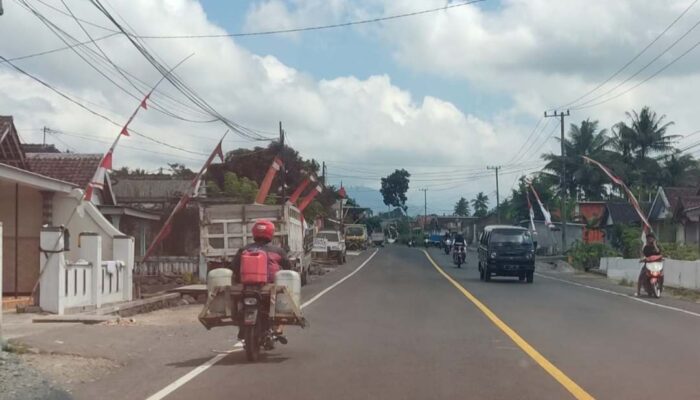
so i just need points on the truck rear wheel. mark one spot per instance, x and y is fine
(530, 277)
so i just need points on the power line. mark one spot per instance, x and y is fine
(315, 27)
(587, 103)
(633, 59)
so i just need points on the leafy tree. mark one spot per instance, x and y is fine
(462, 207)
(581, 178)
(374, 224)
(481, 205)
(241, 190)
(649, 133)
(679, 169)
(394, 188)
(178, 170)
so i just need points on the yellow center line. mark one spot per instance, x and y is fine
(552, 370)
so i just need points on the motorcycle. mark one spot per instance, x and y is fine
(447, 245)
(459, 255)
(257, 331)
(411, 243)
(654, 276)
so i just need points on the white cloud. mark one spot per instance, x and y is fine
(348, 119)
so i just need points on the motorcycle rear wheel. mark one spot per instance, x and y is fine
(252, 347)
(656, 290)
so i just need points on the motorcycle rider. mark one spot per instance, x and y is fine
(263, 232)
(458, 241)
(651, 248)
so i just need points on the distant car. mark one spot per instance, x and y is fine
(506, 251)
(329, 245)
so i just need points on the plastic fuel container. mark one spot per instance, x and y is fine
(253, 267)
(292, 281)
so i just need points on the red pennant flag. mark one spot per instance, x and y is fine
(342, 193)
(107, 161)
(143, 102)
(219, 152)
(125, 131)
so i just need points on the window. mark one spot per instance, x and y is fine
(511, 237)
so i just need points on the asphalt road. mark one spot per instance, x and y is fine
(399, 329)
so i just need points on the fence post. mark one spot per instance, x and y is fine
(52, 285)
(91, 251)
(124, 252)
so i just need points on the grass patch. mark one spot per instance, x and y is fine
(626, 282)
(15, 348)
(686, 294)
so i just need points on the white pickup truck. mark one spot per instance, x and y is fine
(329, 246)
(226, 227)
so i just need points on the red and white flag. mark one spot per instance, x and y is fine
(186, 197)
(545, 213)
(98, 179)
(531, 211)
(630, 196)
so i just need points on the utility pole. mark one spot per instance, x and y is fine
(45, 129)
(425, 207)
(323, 173)
(561, 115)
(284, 167)
(498, 193)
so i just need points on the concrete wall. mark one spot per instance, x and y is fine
(29, 217)
(89, 280)
(87, 219)
(680, 274)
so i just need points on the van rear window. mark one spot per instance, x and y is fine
(514, 237)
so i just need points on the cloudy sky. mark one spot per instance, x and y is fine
(443, 95)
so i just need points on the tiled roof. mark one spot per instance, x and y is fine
(74, 168)
(673, 194)
(622, 213)
(39, 148)
(689, 202)
(11, 151)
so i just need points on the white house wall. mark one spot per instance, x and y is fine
(88, 219)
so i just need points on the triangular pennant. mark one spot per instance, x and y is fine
(125, 131)
(107, 161)
(143, 102)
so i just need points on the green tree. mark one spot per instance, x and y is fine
(679, 169)
(178, 170)
(462, 207)
(582, 179)
(481, 205)
(649, 133)
(241, 190)
(394, 188)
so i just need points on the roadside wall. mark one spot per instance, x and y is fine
(680, 274)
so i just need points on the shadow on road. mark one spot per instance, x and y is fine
(237, 358)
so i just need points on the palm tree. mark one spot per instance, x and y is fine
(583, 140)
(677, 167)
(480, 204)
(648, 133)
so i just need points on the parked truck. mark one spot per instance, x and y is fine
(356, 237)
(226, 227)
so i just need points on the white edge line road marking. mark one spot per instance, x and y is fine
(621, 295)
(239, 346)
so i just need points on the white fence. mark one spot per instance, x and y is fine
(89, 281)
(680, 274)
(169, 266)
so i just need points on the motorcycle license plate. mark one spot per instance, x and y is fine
(250, 316)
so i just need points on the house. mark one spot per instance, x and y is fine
(41, 192)
(667, 214)
(156, 196)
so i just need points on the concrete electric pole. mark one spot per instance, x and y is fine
(425, 207)
(561, 115)
(284, 167)
(498, 193)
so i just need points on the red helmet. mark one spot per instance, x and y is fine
(263, 229)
